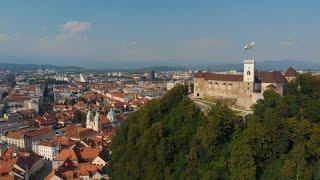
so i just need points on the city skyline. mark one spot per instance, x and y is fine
(140, 33)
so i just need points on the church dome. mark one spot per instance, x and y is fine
(111, 116)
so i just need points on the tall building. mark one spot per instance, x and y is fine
(151, 75)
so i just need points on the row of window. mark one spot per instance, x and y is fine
(223, 85)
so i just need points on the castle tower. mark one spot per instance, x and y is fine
(248, 70)
(249, 74)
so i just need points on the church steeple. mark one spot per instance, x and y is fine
(93, 123)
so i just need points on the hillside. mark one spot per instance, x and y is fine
(171, 139)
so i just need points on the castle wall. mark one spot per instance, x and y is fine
(278, 85)
(242, 92)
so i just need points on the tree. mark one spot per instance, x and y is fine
(79, 117)
(171, 139)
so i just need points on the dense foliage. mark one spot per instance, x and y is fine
(171, 139)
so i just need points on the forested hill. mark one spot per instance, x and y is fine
(171, 139)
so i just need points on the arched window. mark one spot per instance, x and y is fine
(224, 86)
(216, 85)
(248, 72)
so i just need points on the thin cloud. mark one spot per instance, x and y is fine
(205, 42)
(74, 27)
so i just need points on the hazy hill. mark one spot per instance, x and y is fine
(33, 67)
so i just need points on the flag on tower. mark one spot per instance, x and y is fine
(249, 46)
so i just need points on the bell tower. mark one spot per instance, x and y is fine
(249, 75)
(248, 70)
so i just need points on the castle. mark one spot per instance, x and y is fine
(244, 89)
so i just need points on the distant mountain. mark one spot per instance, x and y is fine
(284, 64)
(139, 70)
(280, 65)
(33, 67)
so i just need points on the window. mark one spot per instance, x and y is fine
(248, 72)
(216, 85)
(197, 94)
(224, 86)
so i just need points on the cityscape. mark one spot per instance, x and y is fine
(148, 94)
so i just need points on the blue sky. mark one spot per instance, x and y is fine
(127, 33)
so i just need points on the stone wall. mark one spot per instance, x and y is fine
(242, 92)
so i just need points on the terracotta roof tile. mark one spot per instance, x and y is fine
(15, 135)
(38, 132)
(220, 77)
(86, 169)
(291, 72)
(89, 152)
(48, 143)
(271, 77)
(66, 154)
(28, 161)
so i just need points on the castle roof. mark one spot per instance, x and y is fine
(291, 72)
(220, 77)
(261, 76)
(271, 77)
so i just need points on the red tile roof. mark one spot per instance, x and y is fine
(39, 132)
(219, 77)
(25, 162)
(16, 98)
(89, 152)
(46, 119)
(48, 143)
(78, 132)
(86, 169)
(104, 119)
(15, 135)
(64, 141)
(291, 72)
(66, 154)
(6, 166)
(271, 77)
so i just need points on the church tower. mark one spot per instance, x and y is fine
(249, 74)
(89, 117)
(97, 122)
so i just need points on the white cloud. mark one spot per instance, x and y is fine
(74, 27)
